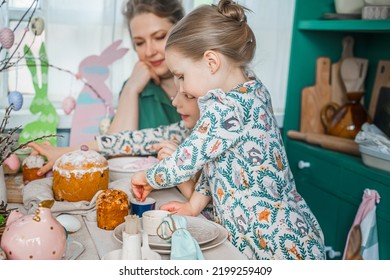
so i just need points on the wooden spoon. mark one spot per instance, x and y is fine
(350, 72)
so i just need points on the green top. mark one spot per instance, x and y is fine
(155, 108)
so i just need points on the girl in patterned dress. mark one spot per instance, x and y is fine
(236, 143)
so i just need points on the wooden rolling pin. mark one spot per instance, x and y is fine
(334, 143)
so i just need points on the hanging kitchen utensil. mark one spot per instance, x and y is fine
(338, 89)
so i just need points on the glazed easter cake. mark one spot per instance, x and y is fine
(79, 175)
(30, 167)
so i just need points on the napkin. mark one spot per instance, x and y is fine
(371, 136)
(38, 190)
(183, 245)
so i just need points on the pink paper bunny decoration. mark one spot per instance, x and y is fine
(91, 109)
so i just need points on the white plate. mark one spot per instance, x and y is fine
(202, 230)
(222, 236)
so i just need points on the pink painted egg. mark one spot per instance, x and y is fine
(68, 105)
(12, 162)
(15, 98)
(7, 37)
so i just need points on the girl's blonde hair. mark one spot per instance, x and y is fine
(222, 28)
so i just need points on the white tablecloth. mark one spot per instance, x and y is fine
(98, 242)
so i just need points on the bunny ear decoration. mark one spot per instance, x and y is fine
(93, 109)
(112, 53)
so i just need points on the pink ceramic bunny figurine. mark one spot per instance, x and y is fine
(90, 109)
(34, 237)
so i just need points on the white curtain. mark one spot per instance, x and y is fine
(272, 22)
(76, 29)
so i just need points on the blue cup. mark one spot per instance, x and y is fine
(138, 207)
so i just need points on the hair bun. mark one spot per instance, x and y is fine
(232, 10)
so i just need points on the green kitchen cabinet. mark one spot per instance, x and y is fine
(333, 183)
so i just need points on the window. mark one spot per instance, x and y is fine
(20, 13)
(76, 29)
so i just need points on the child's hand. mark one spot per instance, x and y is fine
(51, 152)
(165, 149)
(140, 186)
(181, 208)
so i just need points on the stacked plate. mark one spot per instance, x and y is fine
(208, 234)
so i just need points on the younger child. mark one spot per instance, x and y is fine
(236, 142)
(142, 142)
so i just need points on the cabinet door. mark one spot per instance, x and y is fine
(326, 209)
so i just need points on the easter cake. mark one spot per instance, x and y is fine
(79, 175)
(112, 206)
(30, 167)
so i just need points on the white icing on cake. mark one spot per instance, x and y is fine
(76, 163)
(35, 161)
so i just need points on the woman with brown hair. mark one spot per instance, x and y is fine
(145, 99)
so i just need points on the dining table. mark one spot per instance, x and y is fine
(93, 243)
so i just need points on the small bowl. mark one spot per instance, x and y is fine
(152, 219)
(125, 167)
(138, 207)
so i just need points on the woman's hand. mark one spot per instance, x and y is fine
(50, 152)
(165, 149)
(127, 114)
(140, 186)
(141, 75)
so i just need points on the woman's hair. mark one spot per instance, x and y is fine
(222, 28)
(170, 9)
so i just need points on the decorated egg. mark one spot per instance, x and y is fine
(104, 125)
(37, 26)
(15, 98)
(7, 37)
(68, 104)
(12, 162)
(69, 222)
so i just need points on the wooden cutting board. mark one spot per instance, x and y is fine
(382, 79)
(382, 112)
(14, 183)
(315, 97)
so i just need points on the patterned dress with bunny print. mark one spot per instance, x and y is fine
(245, 170)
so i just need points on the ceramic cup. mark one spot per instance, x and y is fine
(152, 219)
(138, 207)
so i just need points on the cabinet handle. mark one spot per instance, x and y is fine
(303, 164)
(332, 253)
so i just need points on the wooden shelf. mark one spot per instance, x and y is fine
(345, 25)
